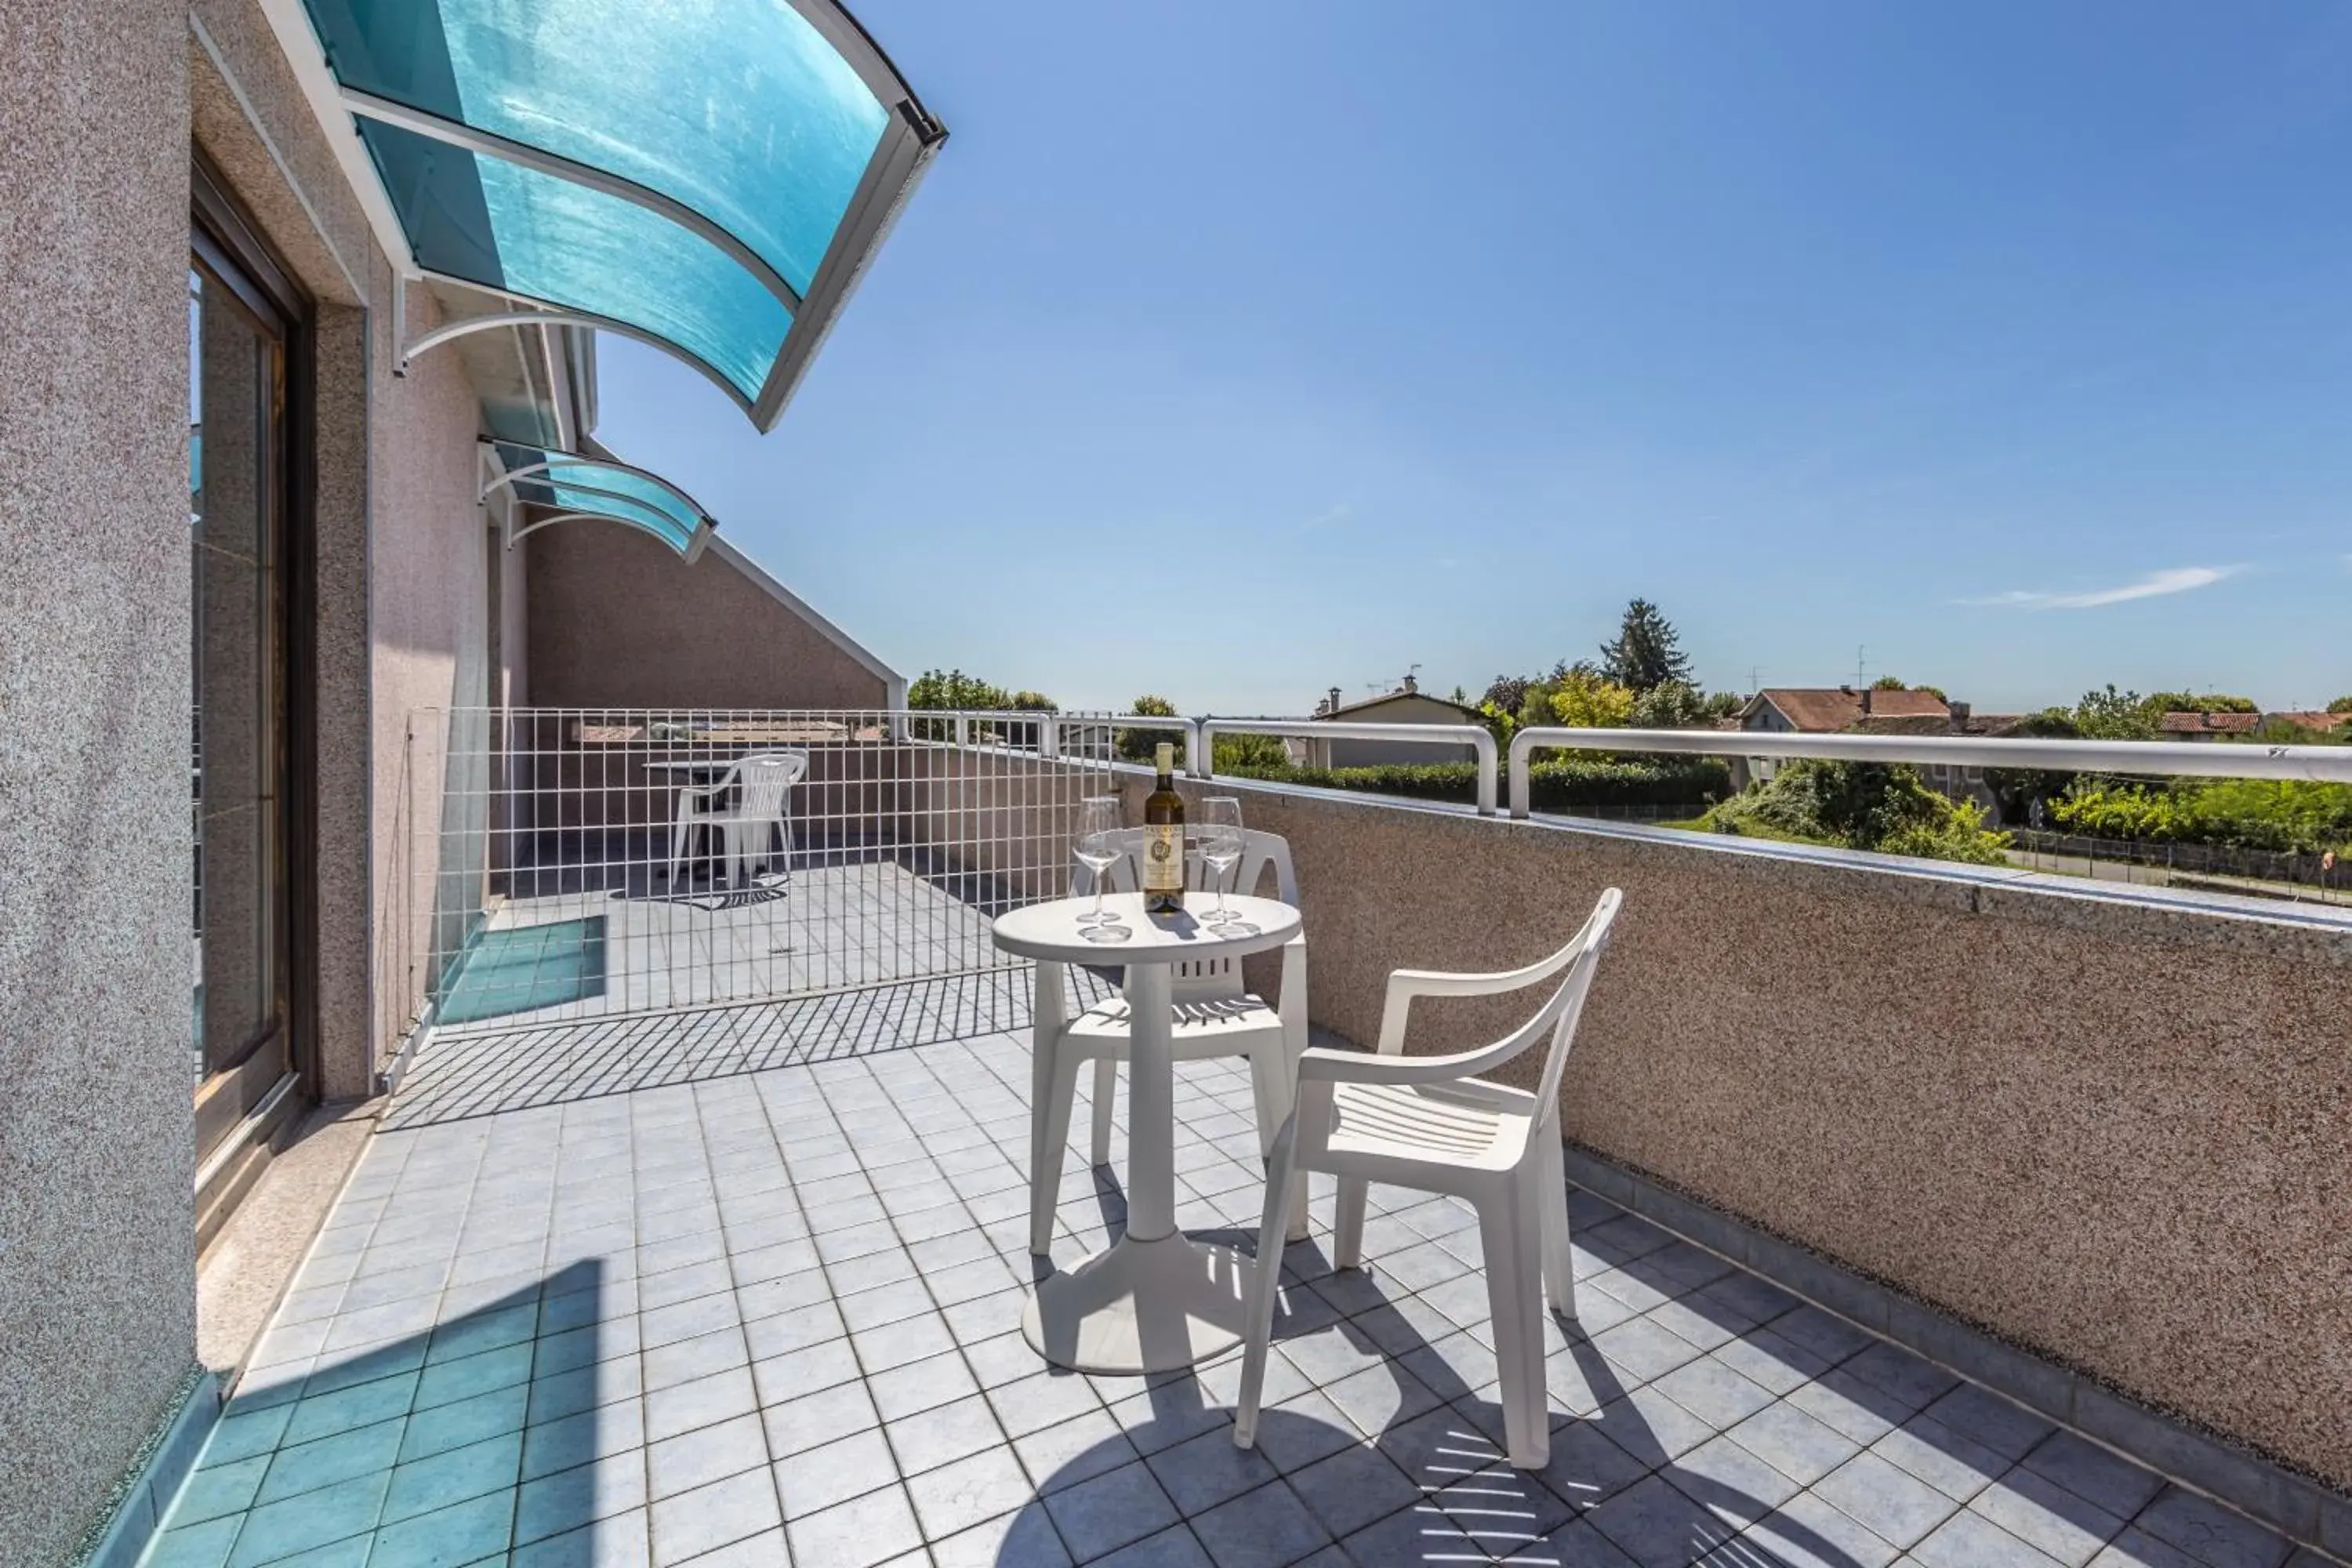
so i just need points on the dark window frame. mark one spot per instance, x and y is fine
(225, 236)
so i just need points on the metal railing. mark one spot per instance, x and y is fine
(2186, 759)
(1476, 736)
(555, 865)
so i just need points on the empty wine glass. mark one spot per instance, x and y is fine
(1096, 844)
(1221, 843)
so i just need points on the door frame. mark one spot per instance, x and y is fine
(231, 246)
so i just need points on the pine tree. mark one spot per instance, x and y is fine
(1645, 654)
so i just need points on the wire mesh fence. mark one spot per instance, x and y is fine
(2293, 875)
(557, 865)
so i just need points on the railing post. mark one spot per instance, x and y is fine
(962, 731)
(1484, 744)
(1521, 747)
(1049, 739)
(1203, 752)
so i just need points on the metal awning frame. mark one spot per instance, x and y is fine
(495, 476)
(898, 162)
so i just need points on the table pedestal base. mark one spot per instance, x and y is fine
(1142, 1306)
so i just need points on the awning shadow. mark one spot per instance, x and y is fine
(475, 1435)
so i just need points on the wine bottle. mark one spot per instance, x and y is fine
(1163, 840)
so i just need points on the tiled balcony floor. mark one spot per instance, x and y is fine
(771, 1318)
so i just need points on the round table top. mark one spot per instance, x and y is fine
(1051, 930)
(692, 766)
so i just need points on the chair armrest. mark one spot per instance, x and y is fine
(1320, 1063)
(1404, 984)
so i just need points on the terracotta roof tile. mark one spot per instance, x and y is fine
(2209, 723)
(1819, 710)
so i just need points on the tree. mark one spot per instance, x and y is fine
(2017, 790)
(1671, 705)
(1586, 701)
(2165, 702)
(1138, 745)
(2110, 715)
(1890, 683)
(1507, 692)
(1645, 653)
(2341, 705)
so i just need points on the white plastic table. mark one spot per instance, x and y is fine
(1156, 1301)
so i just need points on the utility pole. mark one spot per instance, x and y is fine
(1861, 679)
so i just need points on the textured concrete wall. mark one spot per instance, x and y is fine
(616, 620)
(430, 619)
(97, 1217)
(2113, 1131)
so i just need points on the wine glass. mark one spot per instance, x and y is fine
(1221, 843)
(1096, 844)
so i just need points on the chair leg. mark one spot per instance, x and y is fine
(1271, 1073)
(1508, 1235)
(1347, 1223)
(1551, 1203)
(678, 841)
(1265, 1279)
(1055, 1085)
(1044, 1159)
(1106, 1094)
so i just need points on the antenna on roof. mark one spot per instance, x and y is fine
(1861, 676)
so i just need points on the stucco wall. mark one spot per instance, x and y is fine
(2112, 1129)
(616, 620)
(96, 1214)
(430, 647)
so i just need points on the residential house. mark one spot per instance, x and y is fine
(2319, 725)
(2207, 726)
(1817, 711)
(1408, 704)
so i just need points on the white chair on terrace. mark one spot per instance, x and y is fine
(1427, 1122)
(743, 808)
(1214, 1017)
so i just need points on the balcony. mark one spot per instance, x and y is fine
(1907, 1201)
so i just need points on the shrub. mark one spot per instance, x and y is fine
(1587, 701)
(1567, 784)
(1244, 752)
(1861, 805)
(1137, 745)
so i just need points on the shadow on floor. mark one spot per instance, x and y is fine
(451, 1442)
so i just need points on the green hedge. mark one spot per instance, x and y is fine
(1571, 784)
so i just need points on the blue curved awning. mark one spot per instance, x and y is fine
(710, 178)
(569, 485)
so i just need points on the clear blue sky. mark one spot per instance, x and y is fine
(1235, 351)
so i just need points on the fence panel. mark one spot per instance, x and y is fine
(559, 864)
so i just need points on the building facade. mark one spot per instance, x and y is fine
(260, 507)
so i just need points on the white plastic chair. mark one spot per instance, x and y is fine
(1429, 1123)
(1214, 1017)
(758, 784)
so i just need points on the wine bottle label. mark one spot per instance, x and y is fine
(1164, 858)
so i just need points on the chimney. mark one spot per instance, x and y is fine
(1410, 685)
(1332, 703)
(1865, 701)
(1960, 717)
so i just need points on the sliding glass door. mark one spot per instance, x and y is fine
(238, 494)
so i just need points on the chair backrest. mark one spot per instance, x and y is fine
(763, 778)
(1559, 1014)
(1260, 853)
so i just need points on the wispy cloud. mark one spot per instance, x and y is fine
(2155, 584)
(1338, 512)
